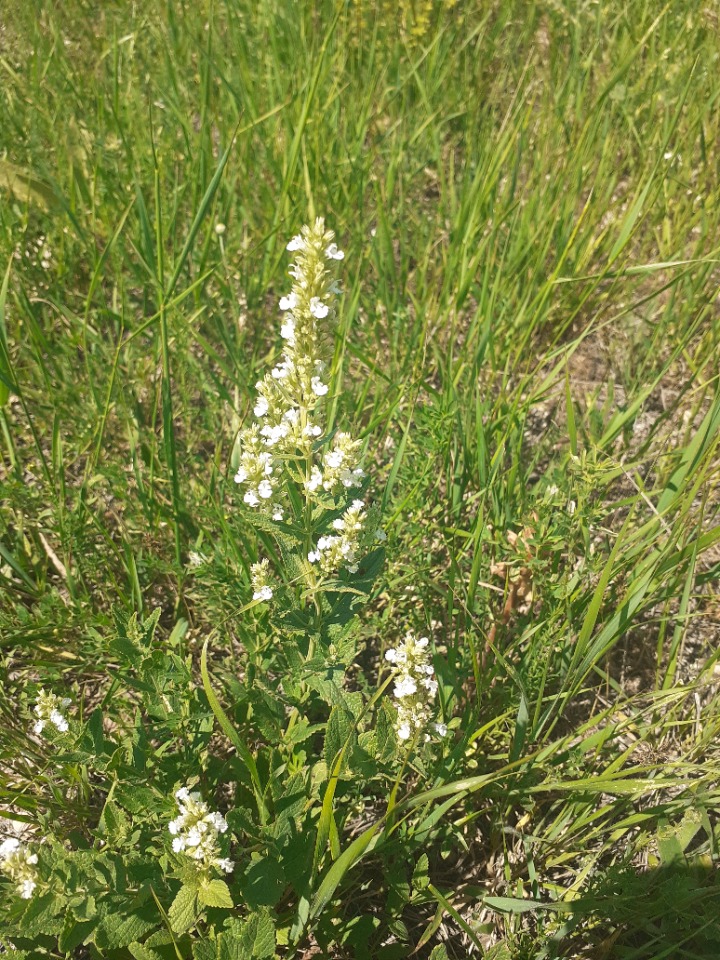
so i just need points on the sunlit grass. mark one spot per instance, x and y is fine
(528, 198)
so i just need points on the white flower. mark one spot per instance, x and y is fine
(196, 830)
(59, 721)
(278, 513)
(26, 889)
(265, 489)
(297, 243)
(332, 252)
(287, 330)
(405, 687)
(48, 710)
(241, 475)
(251, 498)
(318, 387)
(414, 687)
(19, 864)
(8, 846)
(315, 481)
(261, 407)
(334, 458)
(318, 309)
(289, 302)
(441, 729)
(403, 731)
(380, 536)
(262, 590)
(219, 229)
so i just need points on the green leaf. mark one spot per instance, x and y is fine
(6, 377)
(74, 932)
(439, 952)
(183, 912)
(263, 883)
(230, 731)
(142, 952)
(215, 893)
(340, 729)
(116, 931)
(244, 939)
(420, 878)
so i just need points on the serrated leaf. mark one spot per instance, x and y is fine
(420, 878)
(215, 893)
(116, 931)
(142, 952)
(252, 938)
(205, 950)
(439, 952)
(340, 731)
(43, 916)
(74, 932)
(183, 912)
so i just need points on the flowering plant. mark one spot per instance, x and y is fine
(297, 719)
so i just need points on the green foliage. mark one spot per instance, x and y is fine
(527, 348)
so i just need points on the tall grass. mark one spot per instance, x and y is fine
(528, 195)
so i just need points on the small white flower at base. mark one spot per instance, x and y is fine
(315, 481)
(297, 243)
(48, 710)
(260, 580)
(17, 863)
(196, 830)
(441, 729)
(318, 387)
(414, 688)
(261, 407)
(332, 252)
(318, 309)
(334, 458)
(403, 731)
(289, 302)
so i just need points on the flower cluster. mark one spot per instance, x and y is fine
(196, 830)
(260, 579)
(48, 709)
(342, 549)
(338, 467)
(414, 686)
(19, 864)
(288, 419)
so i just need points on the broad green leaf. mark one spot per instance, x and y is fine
(215, 893)
(184, 910)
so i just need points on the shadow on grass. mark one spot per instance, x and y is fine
(670, 911)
